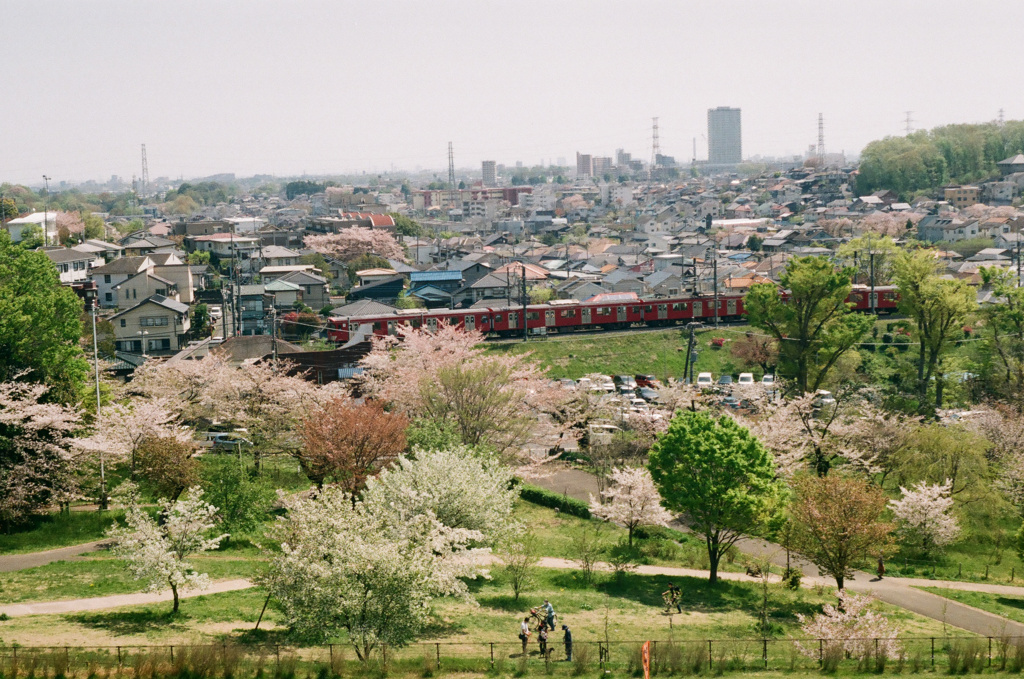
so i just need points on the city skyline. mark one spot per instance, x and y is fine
(332, 88)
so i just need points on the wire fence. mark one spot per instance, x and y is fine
(953, 654)
(953, 570)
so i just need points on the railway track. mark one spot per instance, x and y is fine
(576, 334)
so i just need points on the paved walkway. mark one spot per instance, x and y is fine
(900, 592)
(17, 562)
(117, 600)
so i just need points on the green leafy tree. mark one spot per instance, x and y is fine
(1003, 331)
(298, 188)
(244, 496)
(406, 226)
(8, 208)
(939, 307)
(754, 243)
(718, 475)
(858, 251)
(199, 257)
(94, 227)
(814, 326)
(200, 321)
(40, 324)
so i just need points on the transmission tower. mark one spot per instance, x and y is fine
(655, 148)
(821, 140)
(1002, 118)
(451, 180)
(145, 172)
(908, 123)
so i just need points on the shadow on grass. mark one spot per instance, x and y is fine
(1011, 603)
(132, 622)
(504, 602)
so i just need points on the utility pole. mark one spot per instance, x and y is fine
(714, 275)
(687, 367)
(526, 300)
(96, 362)
(273, 327)
(871, 263)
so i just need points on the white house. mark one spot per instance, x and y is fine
(16, 226)
(72, 265)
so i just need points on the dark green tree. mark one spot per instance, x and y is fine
(406, 226)
(717, 475)
(40, 324)
(813, 325)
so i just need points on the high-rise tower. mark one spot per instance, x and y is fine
(725, 135)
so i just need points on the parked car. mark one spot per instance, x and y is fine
(229, 441)
(648, 394)
(745, 379)
(649, 381)
(730, 402)
(567, 384)
(705, 380)
(604, 383)
(601, 434)
(725, 381)
(625, 381)
(584, 384)
(823, 398)
(768, 380)
(215, 312)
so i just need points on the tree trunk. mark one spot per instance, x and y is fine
(839, 581)
(922, 385)
(174, 591)
(714, 555)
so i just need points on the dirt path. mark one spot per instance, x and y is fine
(17, 562)
(900, 592)
(116, 601)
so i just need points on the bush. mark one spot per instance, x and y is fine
(562, 503)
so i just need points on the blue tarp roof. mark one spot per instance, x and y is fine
(434, 276)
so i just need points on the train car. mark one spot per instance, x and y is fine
(886, 298)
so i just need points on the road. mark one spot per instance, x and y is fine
(900, 592)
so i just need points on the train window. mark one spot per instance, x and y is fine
(647, 308)
(416, 323)
(378, 326)
(497, 318)
(569, 313)
(532, 315)
(484, 320)
(679, 307)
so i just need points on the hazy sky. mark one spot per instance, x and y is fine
(318, 87)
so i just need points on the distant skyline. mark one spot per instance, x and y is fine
(324, 87)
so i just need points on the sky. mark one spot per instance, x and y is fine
(294, 87)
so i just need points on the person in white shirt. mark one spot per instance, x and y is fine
(524, 633)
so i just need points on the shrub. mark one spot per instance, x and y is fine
(562, 503)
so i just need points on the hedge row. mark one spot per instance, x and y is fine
(563, 503)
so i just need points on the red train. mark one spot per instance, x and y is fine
(606, 311)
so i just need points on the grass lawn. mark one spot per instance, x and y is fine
(51, 531)
(661, 353)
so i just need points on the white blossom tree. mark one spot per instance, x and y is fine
(352, 242)
(36, 455)
(631, 501)
(156, 552)
(923, 515)
(851, 627)
(344, 568)
(460, 488)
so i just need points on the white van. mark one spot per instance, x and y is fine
(705, 380)
(745, 378)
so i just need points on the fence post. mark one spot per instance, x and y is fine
(764, 652)
(960, 570)
(1012, 571)
(277, 653)
(600, 654)
(172, 652)
(331, 647)
(933, 651)
(876, 649)
(384, 655)
(438, 656)
(118, 656)
(821, 653)
(990, 651)
(492, 655)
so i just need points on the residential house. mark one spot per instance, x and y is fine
(665, 282)
(386, 289)
(253, 309)
(372, 275)
(108, 251)
(155, 326)
(72, 265)
(315, 294)
(143, 285)
(962, 196)
(37, 221)
(275, 255)
(109, 276)
(284, 294)
(142, 243)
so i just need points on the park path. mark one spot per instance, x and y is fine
(117, 600)
(900, 592)
(17, 562)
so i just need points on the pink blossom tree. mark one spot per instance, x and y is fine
(851, 627)
(354, 241)
(923, 515)
(190, 388)
(631, 501)
(122, 429)
(36, 456)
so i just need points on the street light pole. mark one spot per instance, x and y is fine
(96, 362)
(46, 209)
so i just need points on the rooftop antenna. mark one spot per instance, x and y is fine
(451, 180)
(821, 140)
(908, 123)
(655, 149)
(145, 172)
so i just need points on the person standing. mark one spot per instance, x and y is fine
(549, 612)
(524, 633)
(567, 640)
(542, 639)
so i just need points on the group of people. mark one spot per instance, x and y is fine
(545, 617)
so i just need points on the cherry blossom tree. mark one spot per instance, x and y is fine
(344, 568)
(346, 443)
(492, 400)
(156, 552)
(923, 515)
(459, 487)
(851, 627)
(631, 501)
(122, 428)
(354, 241)
(190, 388)
(36, 454)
